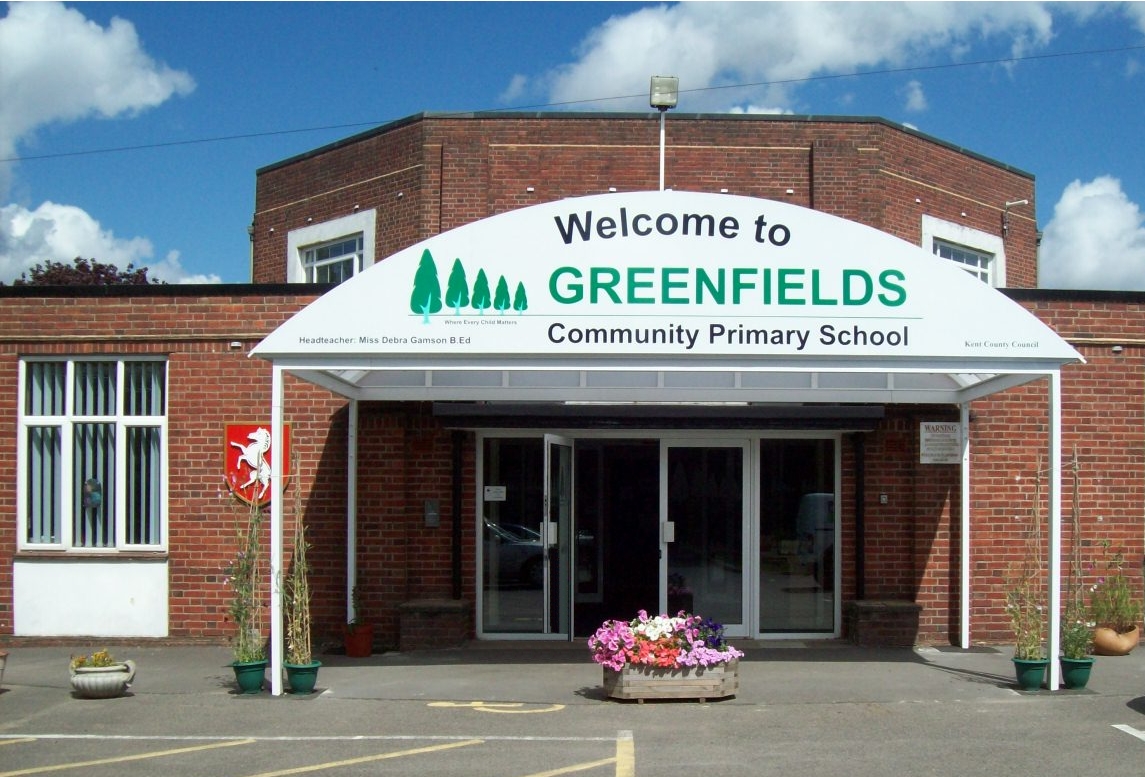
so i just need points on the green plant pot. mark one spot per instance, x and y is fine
(302, 677)
(1031, 673)
(1075, 671)
(249, 675)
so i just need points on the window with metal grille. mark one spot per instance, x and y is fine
(92, 454)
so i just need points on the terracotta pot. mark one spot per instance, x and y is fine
(359, 640)
(1108, 642)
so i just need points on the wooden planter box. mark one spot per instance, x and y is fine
(648, 682)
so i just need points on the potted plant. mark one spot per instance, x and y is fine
(100, 675)
(1027, 620)
(244, 577)
(359, 635)
(1076, 639)
(665, 657)
(1115, 608)
(301, 668)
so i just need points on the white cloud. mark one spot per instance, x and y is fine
(56, 66)
(719, 44)
(60, 233)
(915, 97)
(1095, 240)
(743, 109)
(515, 89)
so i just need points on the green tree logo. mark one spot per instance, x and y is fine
(481, 300)
(457, 288)
(520, 301)
(501, 298)
(426, 296)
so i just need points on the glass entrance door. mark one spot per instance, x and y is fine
(558, 533)
(526, 526)
(703, 507)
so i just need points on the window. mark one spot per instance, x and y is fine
(92, 453)
(331, 251)
(974, 262)
(333, 262)
(979, 253)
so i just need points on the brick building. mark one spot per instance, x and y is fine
(830, 507)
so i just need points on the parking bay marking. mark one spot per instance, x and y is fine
(507, 708)
(368, 758)
(625, 760)
(124, 758)
(1130, 731)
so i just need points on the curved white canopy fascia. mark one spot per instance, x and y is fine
(666, 296)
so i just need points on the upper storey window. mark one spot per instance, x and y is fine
(979, 253)
(332, 251)
(977, 263)
(333, 262)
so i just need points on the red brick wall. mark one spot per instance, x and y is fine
(453, 170)
(1103, 423)
(405, 458)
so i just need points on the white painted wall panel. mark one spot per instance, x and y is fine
(77, 597)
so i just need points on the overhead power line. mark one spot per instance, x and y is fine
(566, 103)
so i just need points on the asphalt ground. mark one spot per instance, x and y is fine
(537, 709)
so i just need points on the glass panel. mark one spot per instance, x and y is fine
(94, 486)
(95, 388)
(43, 485)
(797, 536)
(144, 478)
(44, 388)
(705, 561)
(512, 587)
(559, 499)
(144, 392)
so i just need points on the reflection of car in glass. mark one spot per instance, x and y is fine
(516, 550)
(815, 531)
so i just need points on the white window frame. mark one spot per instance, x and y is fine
(66, 423)
(973, 239)
(363, 223)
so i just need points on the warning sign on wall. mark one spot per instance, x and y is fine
(940, 442)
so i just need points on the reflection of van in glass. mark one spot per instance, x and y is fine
(815, 532)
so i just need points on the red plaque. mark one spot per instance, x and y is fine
(247, 456)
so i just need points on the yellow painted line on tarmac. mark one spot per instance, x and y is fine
(123, 758)
(505, 708)
(624, 759)
(367, 758)
(17, 741)
(625, 755)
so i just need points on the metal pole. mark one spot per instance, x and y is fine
(662, 112)
(276, 520)
(964, 524)
(1055, 581)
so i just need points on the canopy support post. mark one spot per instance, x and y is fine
(276, 520)
(1055, 496)
(351, 509)
(964, 555)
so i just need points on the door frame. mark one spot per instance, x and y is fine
(746, 510)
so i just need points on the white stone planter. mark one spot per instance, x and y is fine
(103, 682)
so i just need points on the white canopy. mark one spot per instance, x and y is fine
(670, 297)
(666, 296)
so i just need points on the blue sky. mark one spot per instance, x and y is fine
(201, 95)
